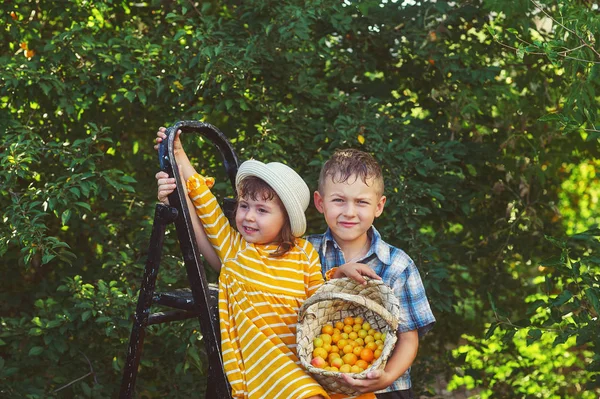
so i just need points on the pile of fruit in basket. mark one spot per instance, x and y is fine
(347, 346)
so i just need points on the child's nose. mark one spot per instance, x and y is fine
(250, 214)
(350, 209)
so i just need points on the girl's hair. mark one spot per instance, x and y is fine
(257, 189)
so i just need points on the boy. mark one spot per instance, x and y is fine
(350, 196)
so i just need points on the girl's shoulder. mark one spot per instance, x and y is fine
(305, 247)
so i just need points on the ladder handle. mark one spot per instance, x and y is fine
(166, 157)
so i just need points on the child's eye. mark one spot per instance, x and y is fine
(262, 210)
(243, 206)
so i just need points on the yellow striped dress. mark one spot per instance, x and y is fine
(259, 299)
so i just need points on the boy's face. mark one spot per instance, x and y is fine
(349, 208)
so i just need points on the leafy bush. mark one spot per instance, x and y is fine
(477, 133)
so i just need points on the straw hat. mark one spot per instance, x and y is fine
(288, 185)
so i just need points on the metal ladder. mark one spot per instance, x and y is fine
(202, 298)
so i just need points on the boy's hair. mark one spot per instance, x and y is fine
(349, 162)
(257, 189)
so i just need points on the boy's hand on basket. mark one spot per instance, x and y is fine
(356, 271)
(375, 381)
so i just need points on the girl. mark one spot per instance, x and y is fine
(267, 273)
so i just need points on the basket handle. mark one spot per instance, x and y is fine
(357, 299)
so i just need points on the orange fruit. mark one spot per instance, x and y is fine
(355, 369)
(349, 358)
(339, 325)
(335, 338)
(377, 336)
(377, 353)
(362, 364)
(358, 320)
(348, 329)
(327, 329)
(341, 343)
(366, 326)
(332, 356)
(337, 363)
(349, 321)
(371, 345)
(320, 352)
(357, 349)
(347, 349)
(367, 355)
(353, 335)
(334, 349)
(345, 368)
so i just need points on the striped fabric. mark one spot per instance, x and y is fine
(259, 298)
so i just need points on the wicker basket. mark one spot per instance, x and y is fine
(338, 298)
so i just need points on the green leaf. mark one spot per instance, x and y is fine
(35, 351)
(562, 298)
(66, 215)
(36, 331)
(592, 294)
(86, 315)
(84, 205)
(533, 335)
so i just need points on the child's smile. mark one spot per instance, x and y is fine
(349, 209)
(260, 221)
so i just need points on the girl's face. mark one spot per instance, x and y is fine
(260, 221)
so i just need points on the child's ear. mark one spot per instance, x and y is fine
(318, 200)
(380, 205)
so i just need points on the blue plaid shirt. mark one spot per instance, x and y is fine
(398, 271)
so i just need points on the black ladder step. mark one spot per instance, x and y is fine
(183, 299)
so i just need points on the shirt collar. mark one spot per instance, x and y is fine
(378, 246)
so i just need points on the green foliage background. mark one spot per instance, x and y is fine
(482, 113)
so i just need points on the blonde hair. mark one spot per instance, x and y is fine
(350, 162)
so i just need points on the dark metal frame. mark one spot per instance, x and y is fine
(201, 301)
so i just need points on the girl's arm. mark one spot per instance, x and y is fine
(167, 185)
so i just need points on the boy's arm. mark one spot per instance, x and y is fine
(402, 357)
